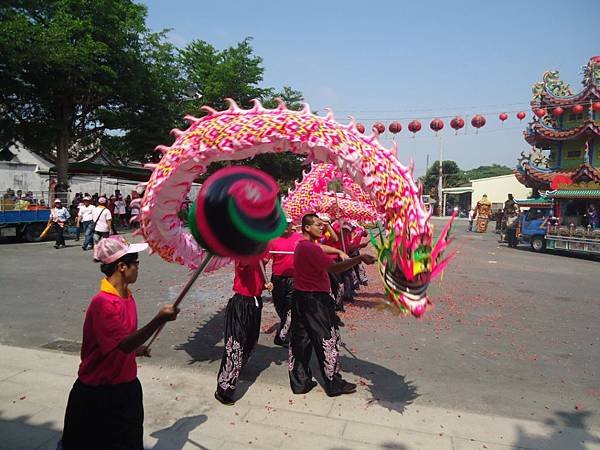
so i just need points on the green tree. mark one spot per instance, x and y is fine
(452, 176)
(488, 171)
(75, 71)
(234, 72)
(284, 167)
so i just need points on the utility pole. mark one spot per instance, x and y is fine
(441, 174)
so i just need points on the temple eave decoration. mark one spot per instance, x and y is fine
(541, 178)
(537, 131)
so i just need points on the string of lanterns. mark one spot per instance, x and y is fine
(477, 121)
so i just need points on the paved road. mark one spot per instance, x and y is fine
(513, 333)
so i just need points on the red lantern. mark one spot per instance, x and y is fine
(379, 127)
(436, 125)
(457, 123)
(558, 111)
(414, 126)
(521, 115)
(478, 121)
(360, 127)
(395, 127)
(577, 109)
(540, 112)
(503, 117)
(596, 107)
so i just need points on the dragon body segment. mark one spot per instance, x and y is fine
(312, 194)
(408, 258)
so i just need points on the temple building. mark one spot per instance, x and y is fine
(563, 165)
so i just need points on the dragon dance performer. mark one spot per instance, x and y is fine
(281, 253)
(313, 316)
(242, 325)
(105, 409)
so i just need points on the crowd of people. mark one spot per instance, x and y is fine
(96, 216)
(21, 200)
(105, 407)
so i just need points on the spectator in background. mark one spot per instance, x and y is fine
(85, 220)
(111, 207)
(120, 211)
(59, 216)
(102, 220)
(471, 219)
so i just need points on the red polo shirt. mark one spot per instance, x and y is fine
(108, 320)
(310, 267)
(248, 280)
(283, 264)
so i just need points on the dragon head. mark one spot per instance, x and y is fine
(408, 261)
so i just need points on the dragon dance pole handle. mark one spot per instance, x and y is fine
(184, 291)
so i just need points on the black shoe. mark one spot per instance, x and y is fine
(343, 388)
(339, 322)
(84, 248)
(223, 399)
(57, 246)
(310, 385)
(280, 342)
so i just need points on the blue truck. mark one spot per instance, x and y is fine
(537, 230)
(23, 224)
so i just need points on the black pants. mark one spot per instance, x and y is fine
(60, 234)
(104, 417)
(511, 237)
(242, 327)
(337, 292)
(313, 328)
(283, 287)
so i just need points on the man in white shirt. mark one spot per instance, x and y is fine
(102, 220)
(85, 220)
(120, 210)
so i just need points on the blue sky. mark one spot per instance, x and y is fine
(388, 60)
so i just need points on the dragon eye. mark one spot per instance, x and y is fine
(422, 260)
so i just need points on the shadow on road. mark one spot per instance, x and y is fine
(558, 438)
(18, 433)
(176, 436)
(387, 388)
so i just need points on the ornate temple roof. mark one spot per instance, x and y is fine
(540, 202)
(552, 91)
(540, 178)
(538, 131)
(575, 193)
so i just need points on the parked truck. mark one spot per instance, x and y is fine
(542, 231)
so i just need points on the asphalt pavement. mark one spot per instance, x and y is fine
(513, 334)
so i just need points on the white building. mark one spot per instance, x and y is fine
(21, 169)
(496, 188)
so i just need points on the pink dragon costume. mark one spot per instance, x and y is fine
(313, 195)
(408, 257)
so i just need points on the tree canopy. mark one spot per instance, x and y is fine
(451, 176)
(79, 75)
(488, 171)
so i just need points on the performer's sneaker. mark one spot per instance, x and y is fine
(280, 342)
(344, 388)
(223, 399)
(310, 385)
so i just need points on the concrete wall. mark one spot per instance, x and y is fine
(21, 176)
(497, 189)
